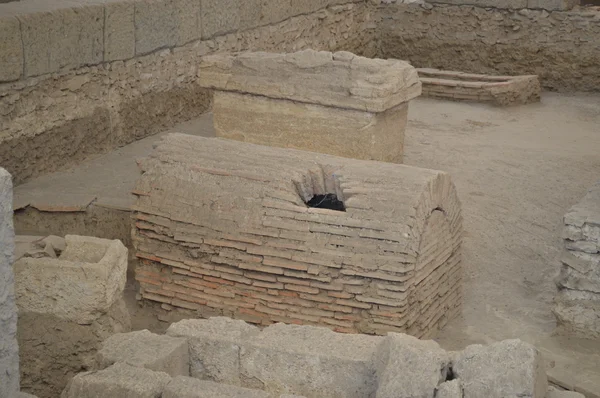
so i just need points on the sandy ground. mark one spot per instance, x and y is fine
(517, 170)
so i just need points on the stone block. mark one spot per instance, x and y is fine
(422, 364)
(9, 350)
(165, 23)
(187, 387)
(118, 381)
(219, 17)
(510, 368)
(146, 350)
(290, 124)
(80, 285)
(310, 361)
(552, 5)
(556, 393)
(11, 48)
(214, 346)
(119, 30)
(340, 79)
(61, 36)
(450, 389)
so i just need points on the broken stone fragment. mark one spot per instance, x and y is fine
(422, 364)
(510, 368)
(450, 389)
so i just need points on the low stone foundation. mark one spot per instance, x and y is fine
(499, 90)
(230, 358)
(69, 295)
(225, 227)
(578, 301)
(335, 103)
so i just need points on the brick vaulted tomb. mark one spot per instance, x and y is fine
(270, 235)
(335, 103)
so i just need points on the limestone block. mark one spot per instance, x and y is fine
(118, 381)
(219, 17)
(577, 313)
(450, 389)
(422, 364)
(61, 37)
(289, 124)
(214, 346)
(11, 48)
(187, 387)
(119, 30)
(9, 350)
(339, 79)
(310, 361)
(80, 285)
(165, 23)
(511, 368)
(146, 350)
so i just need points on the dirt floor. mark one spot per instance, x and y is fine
(517, 170)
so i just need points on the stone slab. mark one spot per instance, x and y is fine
(60, 36)
(215, 346)
(146, 350)
(165, 23)
(187, 387)
(11, 48)
(511, 368)
(80, 285)
(119, 30)
(9, 350)
(314, 362)
(289, 124)
(340, 79)
(118, 381)
(422, 364)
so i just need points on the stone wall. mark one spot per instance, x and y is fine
(9, 351)
(119, 71)
(578, 301)
(559, 46)
(227, 358)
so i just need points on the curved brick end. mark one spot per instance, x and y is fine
(223, 227)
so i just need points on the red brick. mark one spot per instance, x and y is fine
(148, 280)
(305, 317)
(186, 304)
(304, 275)
(298, 302)
(327, 286)
(225, 243)
(218, 280)
(220, 293)
(251, 312)
(288, 294)
(293, 281)
(229, 270)
(317, 312)
(202, 283)
(156, 297)
(348, 317)
(236, 278)
(189, 299)
(261, 277)
(250, 287)
(268, 285)
(338, 323)
(148, 257)
(268, 251)
(303, 289)
(243, 239)
(283, 263)
(341, 295)
(319, 298)
(281, 244)
(270, 311)
(354, 304)
(334, 307)
(261, 268)
(345, 330)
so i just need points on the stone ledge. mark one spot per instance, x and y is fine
(500, 90)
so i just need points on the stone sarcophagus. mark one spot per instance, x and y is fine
(270, 235)
(335, 103)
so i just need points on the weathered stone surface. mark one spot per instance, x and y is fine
(118, 381)
(339, 79)
(119, 30)
(9, 350)
(511, 368)
(577, 304)
(214, 346)
(219, 17)
(25, 395)
(315, 362)
(265, 256)
(556, 393)
(80, 285)
(53, 350)
(187, 387)
(57, 37)
(408, 367)
(165, 23)
(290, 124)
(146, 350)
(11, 49)
(450, 389)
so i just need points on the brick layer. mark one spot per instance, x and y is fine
(232, 235)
